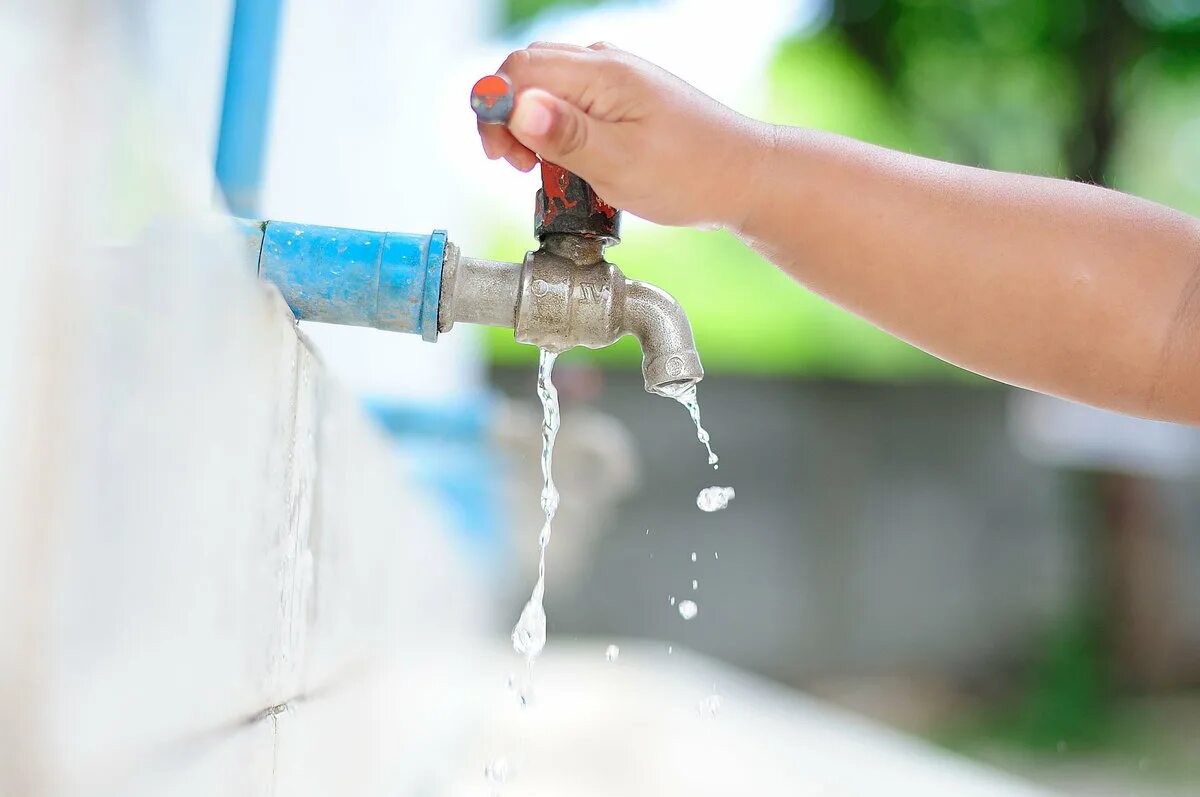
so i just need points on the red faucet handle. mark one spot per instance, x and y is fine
(566, 203)
(492, 99)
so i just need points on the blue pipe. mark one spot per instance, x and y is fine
(385, 280)
(244, 113)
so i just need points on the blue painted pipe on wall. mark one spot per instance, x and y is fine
(242, 141)
(385, 280)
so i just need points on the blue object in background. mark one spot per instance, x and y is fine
(457, 462)
(246, 107)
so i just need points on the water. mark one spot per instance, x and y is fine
(611, 653)
(688, 609)
(714, 499)
(709, 706)
(496, 772)
(529, 634)
(695, 584)
(685, 394)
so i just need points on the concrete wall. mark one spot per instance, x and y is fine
(216, 577)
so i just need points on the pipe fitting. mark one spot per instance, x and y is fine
(566, 294)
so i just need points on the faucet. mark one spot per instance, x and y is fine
(564, 293)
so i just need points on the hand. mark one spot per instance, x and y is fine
(647, 141)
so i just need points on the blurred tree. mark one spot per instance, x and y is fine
(1019, 84)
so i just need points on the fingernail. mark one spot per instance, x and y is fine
(532, 118)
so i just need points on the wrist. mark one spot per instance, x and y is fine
(751, 170)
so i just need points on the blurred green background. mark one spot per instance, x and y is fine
(1101, 90)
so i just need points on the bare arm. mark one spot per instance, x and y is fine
(1061, 287)
(1057, 286)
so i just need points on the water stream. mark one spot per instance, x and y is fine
(529, 634)
(685, 394)
(710, 499)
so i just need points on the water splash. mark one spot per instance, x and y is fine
(685, 394)
(688, 609)
(611, 653)
(529, 634)
(714, 499)
(496, 772)
(709, 706)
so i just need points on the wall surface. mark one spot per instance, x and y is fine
(216, 576)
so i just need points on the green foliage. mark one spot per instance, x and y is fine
(518, 12)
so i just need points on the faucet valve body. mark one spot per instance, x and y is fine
(569, 296)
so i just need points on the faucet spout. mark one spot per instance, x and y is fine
(670, 362)
(568, 295)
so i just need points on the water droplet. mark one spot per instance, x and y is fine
(709, 706)
(670, 649)
(713, 499)
(693, 556)
(671, 599)
(612, 652)
(715, 555)
(695, 584)
(496, 771)
(688, 609)
(529, 634)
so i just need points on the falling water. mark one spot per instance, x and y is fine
(685, 394)
(714, 499)
(710, 706)
(529, 634)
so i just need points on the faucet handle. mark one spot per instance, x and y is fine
(565, 203)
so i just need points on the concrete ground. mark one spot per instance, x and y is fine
(648, 724)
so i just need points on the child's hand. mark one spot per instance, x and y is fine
(647, 141)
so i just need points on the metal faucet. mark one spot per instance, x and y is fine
(564, 294)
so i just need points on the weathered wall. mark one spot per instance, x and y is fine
(216, 577)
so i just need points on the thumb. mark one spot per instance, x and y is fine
(558, 131)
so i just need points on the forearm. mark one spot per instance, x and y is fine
(1057, 286)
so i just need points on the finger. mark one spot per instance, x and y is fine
(561, 133)
(497, 140)
(522, 159)
(567, 74)
(571, 48)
